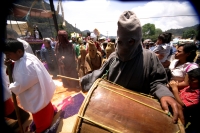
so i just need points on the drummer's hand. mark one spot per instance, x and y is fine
(176, 108)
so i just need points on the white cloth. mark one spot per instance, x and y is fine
(5, 82)
(179, 72)
(26, 45)
(163, 49)
(36, 34)
(32, 83)
(171, 58)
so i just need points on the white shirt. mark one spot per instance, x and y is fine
(26, 45)
(179, 72)
(36, 34)
(32, 83)
(162, 49)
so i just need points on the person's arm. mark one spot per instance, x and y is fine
(166, 64)
(160, 56)
(159, 89)
(182, 84)
(156, 51)
(174, 86)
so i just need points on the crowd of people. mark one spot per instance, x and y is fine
(75, 57)
(167, 72)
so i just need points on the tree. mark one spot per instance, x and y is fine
(190, 33)
(198, 33)
(158, 31)
(148, 30)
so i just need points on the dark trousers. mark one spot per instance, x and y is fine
(53, 69)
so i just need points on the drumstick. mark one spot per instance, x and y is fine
(68, 78)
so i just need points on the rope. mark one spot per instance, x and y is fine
(27, 15)
(181, 127)
(19, 27)
(105, 75)
(58, 8)
(135, 100)
(43, 5)
(62, 12)
(101, 125)
(132, 92)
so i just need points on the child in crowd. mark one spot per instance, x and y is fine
(189, 97)
(31, 83)
(162, 49)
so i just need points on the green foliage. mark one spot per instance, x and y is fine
(148, 30)
(189, 33)
(186, 32)
(158, 31)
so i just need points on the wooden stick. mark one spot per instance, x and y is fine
(68, 78)
(15, 100)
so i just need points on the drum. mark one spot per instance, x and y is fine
(109, 107)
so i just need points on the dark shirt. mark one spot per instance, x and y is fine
(48, 55)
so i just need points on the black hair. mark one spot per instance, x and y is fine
(189, 48)
(162, 37)
(168, 37)
(195, 73)
(112, 40)
(169, 74)
(165, 37)
(88, 33)
(12, 45)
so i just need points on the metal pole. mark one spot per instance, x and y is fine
(54, 14)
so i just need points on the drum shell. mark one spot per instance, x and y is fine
(112, 108)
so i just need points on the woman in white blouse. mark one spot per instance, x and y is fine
(183, 63)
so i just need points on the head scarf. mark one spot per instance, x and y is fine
(83, 51)
(110, 48)
(129, 29)
(62, 37)
(92, 49)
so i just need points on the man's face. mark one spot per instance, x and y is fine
(46, 44)
(13, 55)
(180, 54)
(92, 51)
(125, 46)
(108, 52)
(62, 38)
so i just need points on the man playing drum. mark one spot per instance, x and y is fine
(135, 68)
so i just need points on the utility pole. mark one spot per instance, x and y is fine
(107, 34)
(54, 14)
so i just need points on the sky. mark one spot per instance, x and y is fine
(103, 14)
